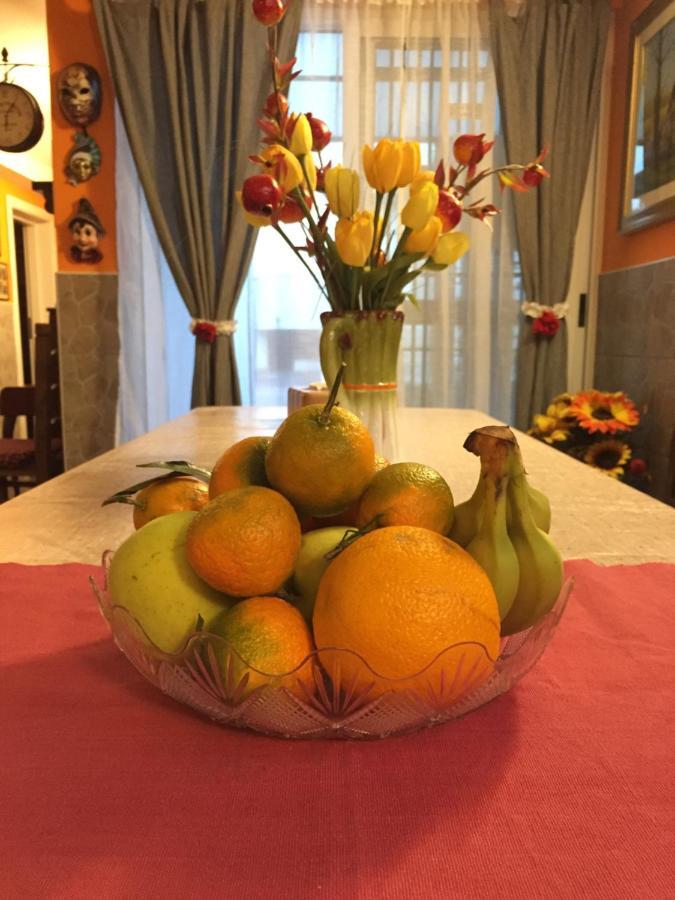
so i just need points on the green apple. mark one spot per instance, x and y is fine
(311, 565)
(151, 577)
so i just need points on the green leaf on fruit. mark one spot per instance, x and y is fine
(179, 467)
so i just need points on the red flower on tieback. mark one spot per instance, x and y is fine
(205, 332)
(546, 325)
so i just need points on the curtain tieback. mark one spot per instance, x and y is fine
(208, 330)
(536, 310)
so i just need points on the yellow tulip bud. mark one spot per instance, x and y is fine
(382, 164)
(410, 162)
(256, 221)
(310, 168)
(450, 247)
(284, 165)
(354, 238)
(421, 178)
(342, 191)
(301, 136)
(424, 240)
(421, 206)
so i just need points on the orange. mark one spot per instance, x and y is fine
(245, 541)
(169, 495)
(408, 494)
(240, 465)
(398, 597)
(321, 461)
(270, 640)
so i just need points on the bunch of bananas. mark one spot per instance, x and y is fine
(504, 525)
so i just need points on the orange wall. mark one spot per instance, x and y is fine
(623, 250)
(73, 37)
(15, 185)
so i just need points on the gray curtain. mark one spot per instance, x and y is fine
(191, 77)
(548, 63)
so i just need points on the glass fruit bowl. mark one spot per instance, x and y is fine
(308, 702)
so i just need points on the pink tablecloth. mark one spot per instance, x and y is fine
(562, 788)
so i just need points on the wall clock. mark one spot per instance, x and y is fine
(21, 121)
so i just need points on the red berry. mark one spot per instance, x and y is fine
(469, 149)
(532, 177)
(261, 195)
(269, 12)
(449, 210)
(321, 133)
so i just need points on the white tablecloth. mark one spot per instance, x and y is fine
(594, 516)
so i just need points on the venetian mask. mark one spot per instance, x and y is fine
(84, 159)
(80, 94)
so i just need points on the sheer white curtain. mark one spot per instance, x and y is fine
(156, 347)
(420, 69)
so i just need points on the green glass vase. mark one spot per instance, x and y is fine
(368, 342)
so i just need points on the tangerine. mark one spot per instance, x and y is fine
(270, 639)
(321, 459)
(167, 495)
(399, 597)
(408, 493)
(245, 541)
(241, 465)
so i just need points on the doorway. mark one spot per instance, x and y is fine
(26, 363)
(32, 254)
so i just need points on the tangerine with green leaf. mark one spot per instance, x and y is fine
(168, 495)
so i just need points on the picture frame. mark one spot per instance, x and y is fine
(4, 281)
(648, 195)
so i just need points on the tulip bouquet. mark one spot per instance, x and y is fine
(370, 258)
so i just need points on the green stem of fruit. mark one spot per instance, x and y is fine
(324, 415)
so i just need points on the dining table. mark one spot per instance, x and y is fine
(562, 787)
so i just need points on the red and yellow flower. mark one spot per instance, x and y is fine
(603, 412)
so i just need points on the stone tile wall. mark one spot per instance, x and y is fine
(88, 355)
(635, 352)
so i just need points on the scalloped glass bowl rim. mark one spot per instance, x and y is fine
(520, 663)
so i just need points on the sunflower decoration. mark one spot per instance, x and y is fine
(549, 428)
(609, 456)
(585, 425)
(603, 412)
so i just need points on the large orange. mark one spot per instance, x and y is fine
(168, 495)
(398, 597)
(408, 493)
(245, 541)
(241, 465)
(270, 639)
(321, 461)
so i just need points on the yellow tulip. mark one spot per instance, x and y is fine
(382, 164)
(354, 238)
(342, 190)
(310, 168)
(424, 240)
(421, 206)
(301, 137)
(450, 247)
(410, 162)
(420, 178)
(256, 221)
(284, 165)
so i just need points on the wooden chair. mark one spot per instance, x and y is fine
(25, 462)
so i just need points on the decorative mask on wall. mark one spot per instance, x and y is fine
(86, 230)
(84, 160)
(80, 93)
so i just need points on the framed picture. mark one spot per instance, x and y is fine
(4, 282)
(649, 171)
